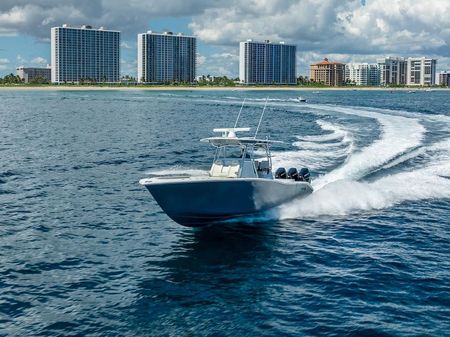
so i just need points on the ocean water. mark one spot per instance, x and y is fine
(85, 250)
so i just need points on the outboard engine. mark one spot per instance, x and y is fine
(304, 174)
(280, 173)
(292, 173)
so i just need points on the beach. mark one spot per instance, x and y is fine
(209, 88)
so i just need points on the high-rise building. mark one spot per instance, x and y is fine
(444, 78)
(421, 71)
(32, 74)
(328, 73)
(362, 74)
(267, 63)
(166, 58)
(392, 70)
(85, 54)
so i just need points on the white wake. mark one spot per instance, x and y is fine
(340, 192)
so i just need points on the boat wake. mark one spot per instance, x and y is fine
(422, 170)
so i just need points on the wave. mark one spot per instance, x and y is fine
(346, 196)
(318, 151)
(398, 135)
(340, 192)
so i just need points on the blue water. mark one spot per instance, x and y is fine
(85, 250)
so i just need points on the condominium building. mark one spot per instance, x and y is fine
(444, 78)
(328, 73)
(362, 74)
(421, 71)
(33, 74)
(85, 54)
(392, 70)
(166, 58)
(267, 63)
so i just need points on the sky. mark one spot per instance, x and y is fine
(341, 30)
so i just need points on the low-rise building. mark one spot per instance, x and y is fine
(421, 71)
(444, 78)
(328, 73)
(203, 78)
(362, 74)
(28, 75)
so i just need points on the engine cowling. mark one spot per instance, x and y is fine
(292, 173)
(304, 174)
(280, 173)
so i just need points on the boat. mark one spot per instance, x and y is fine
(240, 182)
(301, 99)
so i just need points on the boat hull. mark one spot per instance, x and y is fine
(198, 202)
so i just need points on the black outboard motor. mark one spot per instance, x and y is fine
(292, 173)
(304, 174)
(280, 173)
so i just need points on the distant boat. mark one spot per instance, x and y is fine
(301, 99)
(411, 91)
(316, 92)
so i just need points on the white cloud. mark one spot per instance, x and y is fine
(223, 63)
(125, 45)
(21, 60)
(36, 17)
(4, 63)
(201, 59)
(340, 29)
(39, 61)
(128, 67)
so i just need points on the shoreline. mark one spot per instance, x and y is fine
(171, 88)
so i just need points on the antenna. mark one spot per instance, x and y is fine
(239, 114)
(260, 119)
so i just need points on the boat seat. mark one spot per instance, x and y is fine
(264, 166)
(228, 169)
(233, 170)
(217, 169)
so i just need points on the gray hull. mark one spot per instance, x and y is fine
(198, 202)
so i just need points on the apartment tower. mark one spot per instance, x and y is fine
(421, 71)
(267, 63)
(166, 58)
(362, 74)
(85, 54)
(392, 70)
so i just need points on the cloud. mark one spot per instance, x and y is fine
(342, 29)
(223, 63)
(37, 17)
(125, 45)
(21, 60)
(39, 61)
(128, 67)
(4, 63)
(201, 59)
(379, 26)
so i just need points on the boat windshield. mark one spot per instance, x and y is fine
(235, 152)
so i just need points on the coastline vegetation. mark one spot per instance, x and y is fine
(203, 82)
